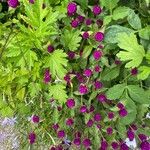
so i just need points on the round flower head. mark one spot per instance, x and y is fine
(72, 8)
(35, 119)
(32, 137)
(101, 98)
(123, 146)
(114, 145)
(134, 71)
(97, 10)
(61, 134)
(88, 22)
(47, 76)
(133, 127)
(74, 23)
(142, 137)
(52, 148)
(70, 103)
(117, 62)
(88, 72)
(83, 109)
(31, 1)
(98, 85)
(83, 89)
(90, 123)
(80, 18)
(69, 122)
(97, 54)
(97, 68)
(109, 130)
(104, 145)
(145, 145)
(55, 126)
(99, 36)
(120, 105)
(130, 135)
(13, 3)
(77, 141)
(97, 117)
(99, 22)
(85, 35)
(110, 115)
(77, 134)
(91, 108)
(123, 112)
(50, 48)
(71, 54)
(86, 142)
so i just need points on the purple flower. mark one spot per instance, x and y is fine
(98, 85)
(70, 103)
(133, 127)
(97, 10)
(114, 145)
(47, 76)
(74, 23)
(83, 109)
(99, 22)
(53, 148)
(80, 18)
(130, 135)
(117, 62)
(55, 126)
(72, 8)
(86, 142)
(142, 137)
(77, 134)
(99, 36)
(97, 68)
(90, 123)
(31, 1)
(123, 146)
(97, 54)
(61, 134)
(77, 141)
(104, 145)
(13, 3)
(50, 48)
(71, 54)
(101, 98)
(88, 22)
(134, 71)
(69, 122)
(145, 145)
(88, 72)
(35, 119)
(91, 108)
(83, 89)
(110, 115)
(123, 112)
(120, 106)
(109, 130)
(97, 117)
(85, 35)
(32, 137)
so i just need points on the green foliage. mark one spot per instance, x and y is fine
(133, 53)
(144, 72)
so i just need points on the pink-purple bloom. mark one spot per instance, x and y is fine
(123, 112)
(114, 145)
(35, 119)
(85, 35)
(130, 135)
(69, 122)
(97, 117)
(74, 23)
(97, 68)
(88, 22)
(134, 71)
(72, 8)
(99, 36)
(50, 48)
(98, 85)
(109, 130)
(47, 76)
(77, 141)
(83, 89)
(32, 137)
(101, 98)
(97, 10)
(70, 103)
(86, 142)
(97, 54)
(90, 123)
(110, 115)
(88, 72)
(13, 3)
(83, 109)
(61, 134)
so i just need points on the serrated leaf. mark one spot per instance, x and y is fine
(57, 62)
(145, 33)
(133, 52)
(58, 92)
(144, 72)
(115, 92)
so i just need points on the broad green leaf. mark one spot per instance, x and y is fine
(57, 62)
(115, 92)
(87, 51)
(121, 128)
(71, 39)
(144, 72)
(83, 3)
(7, 112)
(111, 33)
(138, 94)
(120, 12)
(145, 33)
(58, 92)
(133, 52)
(134, 20)
(107, 19)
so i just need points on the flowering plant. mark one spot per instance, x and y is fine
(76, 73)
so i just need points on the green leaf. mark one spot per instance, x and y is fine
(109, 4)
(144, 72)
(111, 34)
(138, 94)
(34, 89)
(57, 62)
(87, 51)
(110, 73)
(83, 3)
(58, 92)
(121, 128)
(134, 20)
(145, 33)
(116, 91)
(71, 39)
(120, 12)
(107, 20)
(133, 52)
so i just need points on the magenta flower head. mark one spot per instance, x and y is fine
(99, 36)
(31, 1)
(61, 134)
(109, 130)
(86, 142)
(74, 23)
(88, 22)
(123, 112)
(104, 145)
(80, 18)
(52, 148)
(35, 119)
(123, 146)
(83, 109)
(130, 135)
(85, 35)
(134, 71)
(97, 54)
(70, 103)
(120, 105)
(47, 76)
(97, 117)
(97, 68)
(77, 141)
(77, 134)
(142, 137)
(115, 145)
(55, 126)
(99, 22)
(98, 85)
(88, 72)
(83, 89)
(97, 10)
(72, 8)
(71, 54)
(145, 145)
(13, 3)
(101, 98)
(32, 137)
(110, 115)
(91, 108)
(69, 122)
(50, 48)
(90, 123)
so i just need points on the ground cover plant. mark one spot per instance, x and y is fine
(76, 74)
